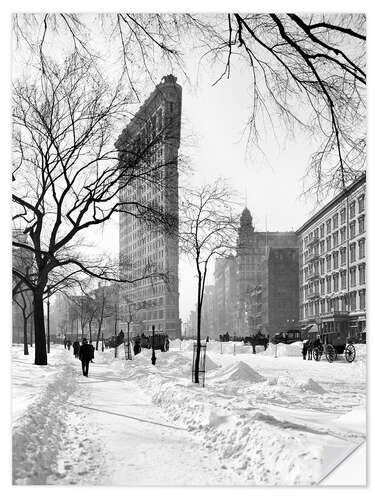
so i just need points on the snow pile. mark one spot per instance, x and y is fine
(282, 350)
(303, 384)
(240, 371)
(354, 420)
(211, 365)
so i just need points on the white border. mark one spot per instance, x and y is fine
(341, 474)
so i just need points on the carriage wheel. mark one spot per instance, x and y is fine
(317, 354)
(350, 353)
(331, 353)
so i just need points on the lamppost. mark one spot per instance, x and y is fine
(153, 357)
(48, 336)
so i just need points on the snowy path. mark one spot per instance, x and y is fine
(104, 430)
(144, 447)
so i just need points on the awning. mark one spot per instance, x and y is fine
(312, 328)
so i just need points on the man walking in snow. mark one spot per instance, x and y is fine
(85, 355)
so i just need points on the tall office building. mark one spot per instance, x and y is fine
(148, 150)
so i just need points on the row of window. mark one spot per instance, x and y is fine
(332, 261)
(338, 237)
(336, 282)
(350, 302)
(356, 206)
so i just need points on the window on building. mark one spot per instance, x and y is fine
(322, 287)
(353, 301)
(362, 274)
(322, 266)
(316, 308)
(353, 272)
(329, 263)
(328, 284)
(361, 203)
(343, 256)
(335, 260)
(352, 252)
(361, 224)
(352, 209)
(329, 243)
(335, 221)
(322, 231)
(352, 229)
(328, 226)
(335, 238)
(343, 216)
(361, 248)
(343, 234)
(362, 299)
(343, 280)
(322, 306)
(322, 247)
(335, 282)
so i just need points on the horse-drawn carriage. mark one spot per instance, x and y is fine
(161, 341)
(259, 339)
(331, 345)
(287, 337)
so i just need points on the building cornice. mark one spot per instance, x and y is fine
(341, 196)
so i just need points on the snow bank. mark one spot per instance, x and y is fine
(283, 350)
(211, 365)
(301, 383)
(240, 371)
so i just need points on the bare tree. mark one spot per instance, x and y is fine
(67, 178)
(208, 230)
(306, 71)
(23, 300)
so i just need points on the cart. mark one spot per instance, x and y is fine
(334, 344)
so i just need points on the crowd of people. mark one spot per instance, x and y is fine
(85, 352)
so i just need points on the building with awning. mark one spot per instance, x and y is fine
(332, 264)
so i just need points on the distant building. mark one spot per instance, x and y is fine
(224, 295)
(252, 250)
(156, 127)
(274, 303)
(208, 313)
(332, 270)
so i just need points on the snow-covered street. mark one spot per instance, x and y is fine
(260, 419)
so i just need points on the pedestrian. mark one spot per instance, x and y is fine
(92, 351)
(305, 346)
(65, 343)
(137, 346)
(69, 343)
(85, 355)
(76, 348)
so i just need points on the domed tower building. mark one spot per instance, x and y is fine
(253, 248)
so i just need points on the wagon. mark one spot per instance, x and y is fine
(332, 345)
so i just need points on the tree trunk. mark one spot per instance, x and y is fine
(25, 345)
(98, 337)
(90, 332)
(39, 330)
(198, 354)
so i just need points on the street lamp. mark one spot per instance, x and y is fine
(153, 357)
(48, 336)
